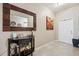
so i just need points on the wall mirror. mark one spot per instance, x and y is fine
(18, 19)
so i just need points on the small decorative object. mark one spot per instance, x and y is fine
(20, 36)
(13, 35)
(32, 33)
(13, 23)
(13, 48)
(49, 23)
(19, 25)
(28, 46)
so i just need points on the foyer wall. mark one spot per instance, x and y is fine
(42, 36)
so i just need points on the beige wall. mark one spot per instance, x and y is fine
(42, 36)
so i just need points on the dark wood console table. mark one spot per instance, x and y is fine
(21, 46)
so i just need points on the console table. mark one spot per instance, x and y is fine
(21, 46)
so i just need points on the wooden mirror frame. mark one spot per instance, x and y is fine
(6, 18)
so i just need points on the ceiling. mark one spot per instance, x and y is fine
(52, 6)
(56, 9)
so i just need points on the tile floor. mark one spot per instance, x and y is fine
(57, 48)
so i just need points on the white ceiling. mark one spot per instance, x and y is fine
(52, 6)
(59, 8)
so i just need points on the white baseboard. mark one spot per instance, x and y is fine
(65, 42)
(42, 46)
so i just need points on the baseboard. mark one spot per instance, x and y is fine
(42, 46)
(65, 42)
(49, 44)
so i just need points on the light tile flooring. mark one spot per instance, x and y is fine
(57, 48)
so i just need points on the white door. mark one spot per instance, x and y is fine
(66, 30)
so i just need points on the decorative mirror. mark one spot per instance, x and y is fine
(18, 19)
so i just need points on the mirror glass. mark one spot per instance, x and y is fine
(18, 19)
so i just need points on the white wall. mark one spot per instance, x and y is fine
(42, 36)
(70, 13)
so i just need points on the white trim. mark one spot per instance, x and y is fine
(43, 46)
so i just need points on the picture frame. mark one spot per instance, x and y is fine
(49, 23)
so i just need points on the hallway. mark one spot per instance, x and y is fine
(57, 48)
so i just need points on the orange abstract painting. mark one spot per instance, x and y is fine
(49, 23)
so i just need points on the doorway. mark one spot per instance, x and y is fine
(65, 30)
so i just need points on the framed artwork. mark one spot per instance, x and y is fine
(49, 23)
